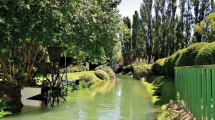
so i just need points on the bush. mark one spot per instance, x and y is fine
(127, 68)
(213, 56)
(187, 58)
(108, 70)
(88, 78)
(204, 55)
(3, 106)
(102, 75)
(74, 69)
(157, 66)
(170, 62)
(141, 68)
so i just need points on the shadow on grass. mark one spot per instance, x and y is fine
(162, 89)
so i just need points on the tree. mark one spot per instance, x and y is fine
(207, 28)
(137, 41)
(126, 41)
(201, 9)
(146, 17)
(28, 27)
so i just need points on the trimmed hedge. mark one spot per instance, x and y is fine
(197, 54)
(213, 56)
(158, 66)
(187, 58)
(204, 57)
(102, 75)
(169, 63)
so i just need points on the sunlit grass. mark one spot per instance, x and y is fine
(151, 90)
(72, 76)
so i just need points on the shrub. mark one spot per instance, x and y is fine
(204, 55)
(127, 68)
(157, 66)
(142, 68)
(169, 63)
(108, 70)
(187, 58)
(75, 69)
(213, 56)
(3, 106)
(88, 78)
(102, 75)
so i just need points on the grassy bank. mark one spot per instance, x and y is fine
(160, 88)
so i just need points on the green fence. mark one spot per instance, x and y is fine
(196, 87)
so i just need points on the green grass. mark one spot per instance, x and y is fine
(74, 76)
(161, 89)
(151, 90)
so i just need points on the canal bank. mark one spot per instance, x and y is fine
(124, 98)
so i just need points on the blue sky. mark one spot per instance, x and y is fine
(128, 7)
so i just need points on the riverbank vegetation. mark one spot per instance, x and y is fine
(87, 28)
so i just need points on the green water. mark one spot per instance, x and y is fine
(123, 99)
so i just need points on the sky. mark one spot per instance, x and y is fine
(128, 7)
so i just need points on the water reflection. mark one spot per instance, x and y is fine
(123, 99)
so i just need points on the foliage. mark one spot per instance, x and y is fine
(170, 62)
(75, 69)
(165, 32)
(187, 58)
(165, 89)
(88, 28)
(3, 106)
(102, 75)
(88, 78)
(125, 38)
(128, 68)
(207, 28)
(204, 55)
(158, 66)
(141, 68)
(164, 114)
(108, 70)
(137, 42)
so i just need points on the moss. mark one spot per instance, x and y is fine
(187, 58)
(157, 66)
(204, 55)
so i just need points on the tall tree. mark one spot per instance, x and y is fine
(146, 17)
(126, 42)
(201, 9)
(136, 36)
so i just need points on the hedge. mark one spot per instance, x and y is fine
(157, 66)
(108, 70)
(187, 58)
(169, 63)
(204, 56)
(102, 75)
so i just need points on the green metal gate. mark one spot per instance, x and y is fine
(196, 86)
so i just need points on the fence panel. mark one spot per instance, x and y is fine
(196, 87)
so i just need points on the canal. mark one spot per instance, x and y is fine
(122, 99)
